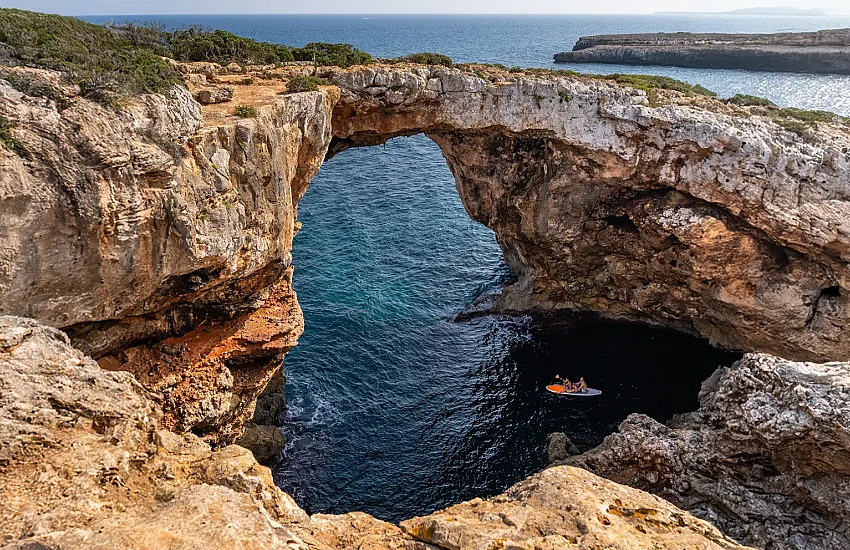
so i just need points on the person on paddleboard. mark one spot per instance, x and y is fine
(582, 385)
(568, 387)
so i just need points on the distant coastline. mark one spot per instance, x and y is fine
(825, 52)
(781, 10)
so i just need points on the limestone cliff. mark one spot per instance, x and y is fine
(85, 464)
(161, 246)
(159, 238)
(804, 52)
(766, 457)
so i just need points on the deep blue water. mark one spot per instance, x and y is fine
(395, 408)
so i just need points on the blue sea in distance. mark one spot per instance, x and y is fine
(394, 407)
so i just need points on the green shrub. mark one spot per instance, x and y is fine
(302, 83)
(429, 58)
(222, 47)
(339, 55)
(799, 128)
(8, 140)
(700, 90)
(650, 83)
(102, 62)
(245, 111)
(515, 70)
(803, 115)
(750, 101)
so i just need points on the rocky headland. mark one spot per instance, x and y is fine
(826, 51)
(157, 235)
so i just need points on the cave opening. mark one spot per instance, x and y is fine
(395, 407)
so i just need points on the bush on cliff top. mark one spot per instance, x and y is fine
(750, 101)
(127, 59)
(303, 83)
(197, 44)
(94, 57)
(338, 55)
(650, 83)
(428, 58)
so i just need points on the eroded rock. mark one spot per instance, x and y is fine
(566, 507)
(220, 94)
(161, 246)
(766, 457)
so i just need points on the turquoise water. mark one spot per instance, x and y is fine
(395, 408)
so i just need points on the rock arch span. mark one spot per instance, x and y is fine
(693, 215)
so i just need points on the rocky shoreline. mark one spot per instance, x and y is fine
(825, 52)
(158, 237)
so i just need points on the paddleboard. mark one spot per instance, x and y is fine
(558, 389)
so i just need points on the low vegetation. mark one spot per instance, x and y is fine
(799, 121)
(337, 55)
(198, 44)
(651, 83)
(750, 101)
(116, 60)
(102, 62)
(8, 140)
(245, 111)
(428, 58)
(303, 84)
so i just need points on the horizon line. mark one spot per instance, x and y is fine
(827, 15)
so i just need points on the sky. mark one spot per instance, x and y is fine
(144, 7)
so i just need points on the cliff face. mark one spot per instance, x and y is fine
(766, 457)
(109, 477)
(160, 246)
(694, 215)
(808, 52)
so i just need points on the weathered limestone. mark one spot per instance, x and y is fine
(566, 507)
(694, 214)
(162, 247)
(823, 51)
(85, 464)
(766, 457)
(219, 94)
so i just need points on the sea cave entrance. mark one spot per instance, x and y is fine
(397, 409)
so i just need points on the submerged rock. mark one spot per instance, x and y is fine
(766, 457)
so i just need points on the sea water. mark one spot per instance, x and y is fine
(397, 409)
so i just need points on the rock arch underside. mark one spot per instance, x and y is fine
(158, 238)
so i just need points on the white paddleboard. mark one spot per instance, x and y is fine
(559, 390)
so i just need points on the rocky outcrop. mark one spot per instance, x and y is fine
(807, 52)
(766, 457)
(85, 464)
(689, 213)
(220, 94)
(566, 508)
(161, 246)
